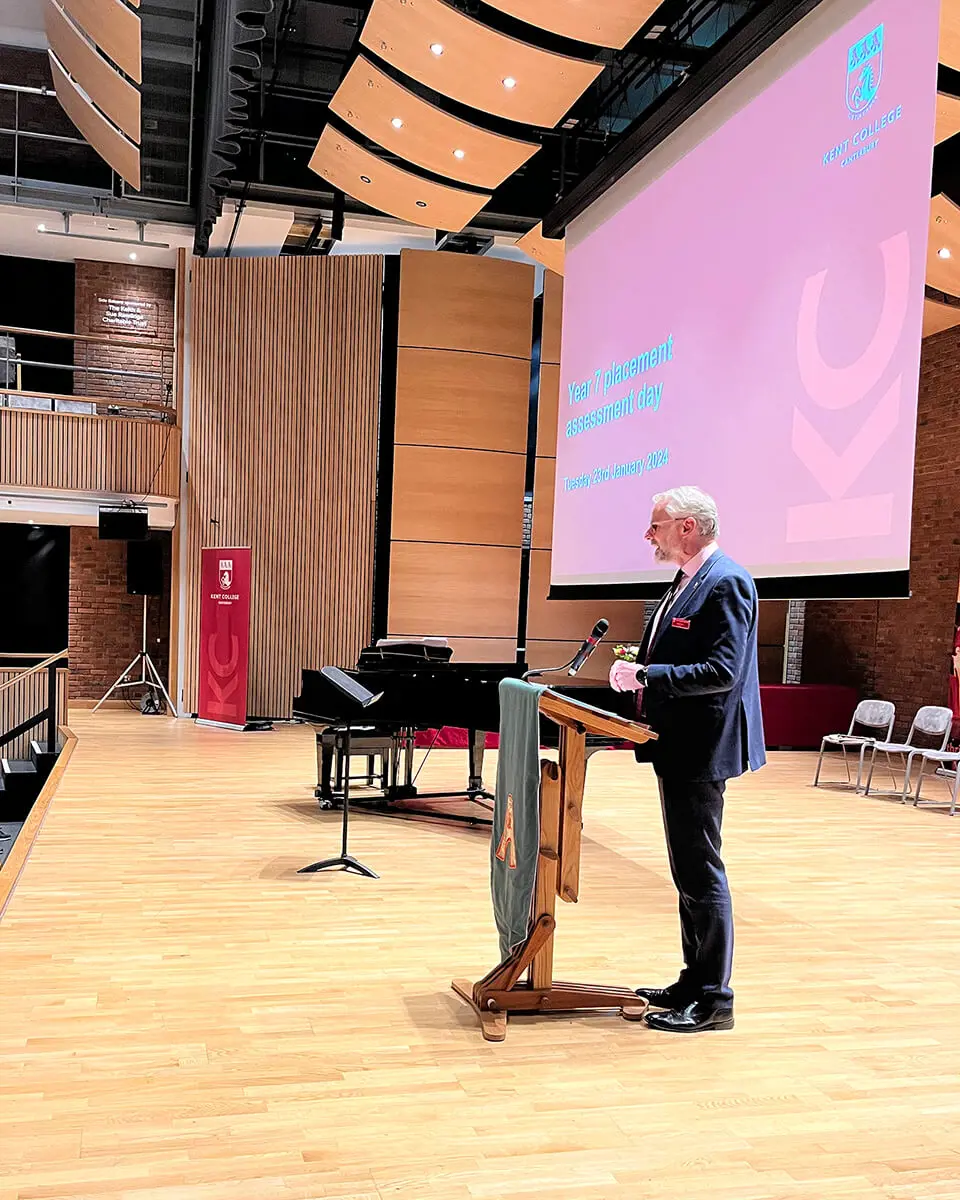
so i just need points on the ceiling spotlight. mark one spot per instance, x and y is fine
(133, 256)
(364, 178)
(41, 228)
(944, 252)
(459, 154)
(509, 83)
(421, 204)
(397, 123)
(436, 48)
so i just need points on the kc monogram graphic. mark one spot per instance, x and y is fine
(835, 388)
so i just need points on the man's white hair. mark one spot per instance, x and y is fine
(692, 502)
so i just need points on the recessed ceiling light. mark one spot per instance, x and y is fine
(459, 154)
(133, 256)
(509, 82)
(41, 228)
(944, 252)
(397, 123)
(364, 178)
(436, 48)
(421, 204)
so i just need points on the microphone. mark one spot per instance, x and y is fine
(589, 646)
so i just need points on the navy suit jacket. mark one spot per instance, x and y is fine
(703, 689)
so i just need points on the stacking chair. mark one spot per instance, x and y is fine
(876, 716)
(931, 721)
(944, 772)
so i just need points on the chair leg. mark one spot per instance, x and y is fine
(816, 778)
(907, 775)
(873, 763)
(956, 786)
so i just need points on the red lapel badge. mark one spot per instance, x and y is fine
(680, 623)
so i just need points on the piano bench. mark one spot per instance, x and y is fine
(371, 746)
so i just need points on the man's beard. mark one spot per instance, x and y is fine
(660, 554)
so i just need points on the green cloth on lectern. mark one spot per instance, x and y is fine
(516, 816)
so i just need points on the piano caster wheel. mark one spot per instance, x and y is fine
(324, 803)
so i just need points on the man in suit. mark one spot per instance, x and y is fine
(696, 673)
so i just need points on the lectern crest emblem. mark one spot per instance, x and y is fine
(507, 849)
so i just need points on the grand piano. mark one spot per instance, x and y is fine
(418, 692)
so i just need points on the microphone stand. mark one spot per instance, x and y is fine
(536, 673)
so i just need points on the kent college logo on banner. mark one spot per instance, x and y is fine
(226, 573)
(864, 70)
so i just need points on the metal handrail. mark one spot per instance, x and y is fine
(40, 666)
(98, 339)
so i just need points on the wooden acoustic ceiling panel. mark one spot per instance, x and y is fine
(112, 26)
(950, 33)
(374, 103)
(113, 147)
(354, 170)
(548, 251)
(475, 60)
(612, 23)
(948, 117)
(105, 86)
(943, 273)
(937, 317)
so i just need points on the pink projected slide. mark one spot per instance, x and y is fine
(750, 323)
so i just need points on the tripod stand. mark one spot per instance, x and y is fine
(149, 675)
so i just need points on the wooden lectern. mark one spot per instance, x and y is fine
(558, 874)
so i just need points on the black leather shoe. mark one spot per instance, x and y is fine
(695, 1018)
(668, 997)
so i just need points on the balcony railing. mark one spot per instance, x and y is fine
(144, 387)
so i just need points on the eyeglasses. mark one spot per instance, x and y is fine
(655, 525)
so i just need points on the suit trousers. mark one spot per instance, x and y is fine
(692, 816)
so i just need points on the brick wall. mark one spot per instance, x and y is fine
(105, 623)
(123, 281)
(900, 649)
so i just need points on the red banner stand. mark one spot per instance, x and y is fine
(224, 636)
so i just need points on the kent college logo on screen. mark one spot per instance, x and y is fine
(864, 69)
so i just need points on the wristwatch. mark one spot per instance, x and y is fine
(642, 675)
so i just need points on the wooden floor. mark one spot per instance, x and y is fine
(185, 1017)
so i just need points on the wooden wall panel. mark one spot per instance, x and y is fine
(548, 413)
(572, 620)
(458, 302)
(81, 453)
(455, 398)
(543, 485)
(463, 380)
(552, 317)
(454, 591)
(284, 397)
(465, 496)
(25, 699)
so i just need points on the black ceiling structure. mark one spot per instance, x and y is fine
(236, 93)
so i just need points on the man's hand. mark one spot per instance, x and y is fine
(623, 677)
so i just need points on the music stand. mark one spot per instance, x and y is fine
(363, 698)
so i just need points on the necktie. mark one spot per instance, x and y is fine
(662, 610)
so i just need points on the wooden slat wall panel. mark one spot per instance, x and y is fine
(88, 453)
(113, 27)
(285, 384)
(24, 700)
(463, 388)
(555, 628)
